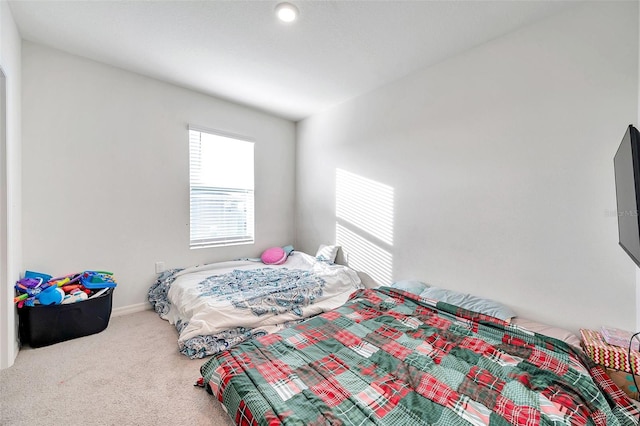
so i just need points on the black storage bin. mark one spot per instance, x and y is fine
(42, 325)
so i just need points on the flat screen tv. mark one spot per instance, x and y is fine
(627, 169)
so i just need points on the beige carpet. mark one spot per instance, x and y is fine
(129, 374)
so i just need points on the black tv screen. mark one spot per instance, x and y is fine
(627, 169)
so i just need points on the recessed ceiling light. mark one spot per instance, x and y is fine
(286, 12)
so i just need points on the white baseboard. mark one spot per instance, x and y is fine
(131, 309)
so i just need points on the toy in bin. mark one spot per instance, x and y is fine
(34, 288)
(38, 288)
(97, 279)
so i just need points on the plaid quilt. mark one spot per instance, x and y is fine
(387, 357)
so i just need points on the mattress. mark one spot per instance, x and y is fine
(216, 306)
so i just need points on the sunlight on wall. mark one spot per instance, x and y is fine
(365, 256)
(364, 224)
(366, 204)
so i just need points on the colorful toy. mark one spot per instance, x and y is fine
(73, 287)
(27, 284)
(37, 275)
(97, 279)
(75, 296)
(61, 282)
(20, 298)
(51, 296)
(31, 287)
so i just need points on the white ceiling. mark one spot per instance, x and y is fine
(237, 50)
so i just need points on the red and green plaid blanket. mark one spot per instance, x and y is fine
(389, 358)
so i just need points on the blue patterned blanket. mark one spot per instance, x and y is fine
(265, 290)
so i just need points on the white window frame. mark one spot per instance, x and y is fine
(220, 214)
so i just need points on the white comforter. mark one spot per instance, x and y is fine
(211, 315)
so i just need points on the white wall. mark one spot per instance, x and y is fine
(501, 164)
(105, 182)
(10, 185)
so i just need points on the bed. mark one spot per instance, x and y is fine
(219, 305)
(390, 357)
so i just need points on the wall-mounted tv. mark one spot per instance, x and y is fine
(627, 169)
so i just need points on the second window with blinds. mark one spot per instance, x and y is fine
(221, 189)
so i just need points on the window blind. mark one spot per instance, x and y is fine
(221, 190)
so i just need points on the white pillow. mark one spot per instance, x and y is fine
(548, 330)
(411, 286)
(327, 253)
(470, 302)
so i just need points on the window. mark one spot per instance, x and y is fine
(220, 189)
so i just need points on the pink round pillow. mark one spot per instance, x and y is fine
(274, 256)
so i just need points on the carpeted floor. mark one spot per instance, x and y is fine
(129, 374)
